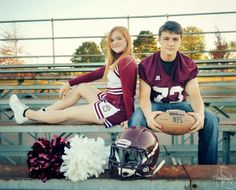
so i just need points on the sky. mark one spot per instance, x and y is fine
(38, 9)
(56, 9)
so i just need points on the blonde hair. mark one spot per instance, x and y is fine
(112, 61)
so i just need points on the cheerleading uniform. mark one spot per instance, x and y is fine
(116, 104)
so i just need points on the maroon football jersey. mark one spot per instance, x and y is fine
(165, 88)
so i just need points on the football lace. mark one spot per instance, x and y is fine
(176, 110)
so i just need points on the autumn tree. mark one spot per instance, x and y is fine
(223, 49)
(144, 43)
(220, 46)
(11, 48)
(88, 52)
(193, 41)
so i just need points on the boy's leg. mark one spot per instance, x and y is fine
(208, 136)
(138, 118)
(208, 140)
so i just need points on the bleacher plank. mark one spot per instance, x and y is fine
(11, 127)
(219, 177)
(169, 177)
(186, 177)
(227, 127)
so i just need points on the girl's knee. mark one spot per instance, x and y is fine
(81, 87)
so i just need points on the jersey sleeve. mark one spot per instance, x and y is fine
(187, 68)
(147, 69)
(142, 73)
(128, 76)
(89, 77)
(194, 72)
(191, 70)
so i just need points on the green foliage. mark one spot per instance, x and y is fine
(103, 45)
(193, 41)
(88, 52)
(144, 44)
(232, 46)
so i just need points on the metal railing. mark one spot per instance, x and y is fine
(128, 21)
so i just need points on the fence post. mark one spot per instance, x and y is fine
(128, 22)
(53, 42)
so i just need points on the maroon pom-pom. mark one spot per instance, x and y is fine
(45, 160)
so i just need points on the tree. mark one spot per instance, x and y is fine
(103, 45)
(88, 52)
(12, 46)
(220, 46)
(144, 43)
(193, 41)
(232, 46)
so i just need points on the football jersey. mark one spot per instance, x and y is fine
(167, 88)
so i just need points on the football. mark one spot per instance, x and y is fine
(175, 122)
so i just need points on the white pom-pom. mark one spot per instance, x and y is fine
(85, 158)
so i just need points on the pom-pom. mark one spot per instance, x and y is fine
(85, 158)
(45, 160)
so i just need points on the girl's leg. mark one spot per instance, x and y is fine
(82, 90)
(81, 114)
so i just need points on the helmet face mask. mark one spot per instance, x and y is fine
(128, 159)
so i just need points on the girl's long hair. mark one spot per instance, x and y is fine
(112, 61)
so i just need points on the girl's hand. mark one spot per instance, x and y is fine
(64, 90)
(124, 124)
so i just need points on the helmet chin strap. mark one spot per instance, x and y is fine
(129, 172)
(126, 172)
(159, 167)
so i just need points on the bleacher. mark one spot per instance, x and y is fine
(38, 84)
(219, 94)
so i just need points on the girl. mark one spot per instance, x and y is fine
(112, 107)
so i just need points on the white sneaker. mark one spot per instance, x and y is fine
(18, 109)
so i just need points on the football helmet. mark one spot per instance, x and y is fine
(134, 154)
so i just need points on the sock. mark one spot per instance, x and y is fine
(25, 112)
(43, 109)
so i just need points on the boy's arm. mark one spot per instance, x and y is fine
(192, 89)
(146, 107)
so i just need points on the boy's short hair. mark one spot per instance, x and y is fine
(172, 27)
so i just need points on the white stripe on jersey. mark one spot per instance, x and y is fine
(114, 91)
(107, 123)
